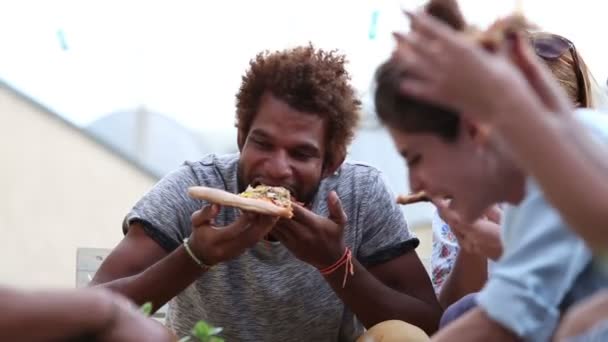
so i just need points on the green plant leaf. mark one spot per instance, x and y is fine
(205, 332)
(146, 309)
(201, 329)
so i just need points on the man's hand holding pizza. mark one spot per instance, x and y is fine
(213, 244)
(261, 207)
(314, 239)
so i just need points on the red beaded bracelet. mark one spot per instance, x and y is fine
(346, 259)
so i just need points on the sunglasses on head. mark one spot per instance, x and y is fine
(550, 47)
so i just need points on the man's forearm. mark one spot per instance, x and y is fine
(160, 282)
(373, 302)
(469, 274)
(52, 315)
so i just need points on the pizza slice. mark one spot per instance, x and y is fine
(262, 199)
(420, 196)
(492, 37)
(495, 35)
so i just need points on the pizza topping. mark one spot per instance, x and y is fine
(277, 195)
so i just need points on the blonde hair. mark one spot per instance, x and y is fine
(567, 69)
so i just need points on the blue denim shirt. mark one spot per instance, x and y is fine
(545, 266)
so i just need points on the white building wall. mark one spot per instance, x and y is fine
(59, 190)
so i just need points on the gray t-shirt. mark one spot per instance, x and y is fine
(267, 294)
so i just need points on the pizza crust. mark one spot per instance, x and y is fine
(413, 198)
(229, 199)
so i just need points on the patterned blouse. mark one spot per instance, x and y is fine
(445, 250)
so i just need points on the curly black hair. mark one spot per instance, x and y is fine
(309, 80)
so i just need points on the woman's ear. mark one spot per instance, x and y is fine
(477, 132)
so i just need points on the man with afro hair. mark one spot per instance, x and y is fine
(344, 261)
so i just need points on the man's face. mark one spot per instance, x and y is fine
(462, 169)
(284, 147)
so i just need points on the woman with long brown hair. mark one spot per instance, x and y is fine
(428, 112)
(462, 251)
